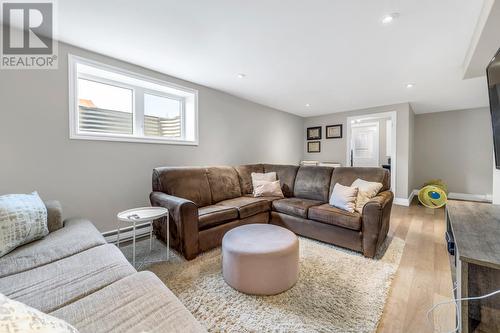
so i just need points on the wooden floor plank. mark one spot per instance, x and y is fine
(423, 277)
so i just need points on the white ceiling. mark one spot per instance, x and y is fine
(335, 55)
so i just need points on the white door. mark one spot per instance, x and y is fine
(364, 145)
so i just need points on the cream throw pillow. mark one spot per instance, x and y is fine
(267, 189)
(23, 219)
(266, 177)
(344, 197)
(366, 191)
(18, 317)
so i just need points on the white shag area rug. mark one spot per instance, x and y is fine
(338, 291)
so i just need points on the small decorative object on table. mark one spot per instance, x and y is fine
(334, 131)
(140, 215)
(314, 133)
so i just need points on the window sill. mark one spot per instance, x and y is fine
(130, 138)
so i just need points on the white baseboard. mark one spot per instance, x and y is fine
(452, 196)
(404, 201)
(470, 197)
(126, 233)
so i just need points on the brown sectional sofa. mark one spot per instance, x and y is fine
(206, 202)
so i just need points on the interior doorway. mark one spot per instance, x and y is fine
(365, 139)
(371, 142)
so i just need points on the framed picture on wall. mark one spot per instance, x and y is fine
(314, 133)
(334, 131)
(314, 147)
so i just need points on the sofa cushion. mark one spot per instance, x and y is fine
(54, 215)
(211, 216)
(313, 182)
(247, 206)
(77, 235)
(346, 176)
(270, 199)
(286, 175)
(137, 303)
(295, 206)
(18, 317)
(54, 285)
(335, 216)
(224, 183)
(245, 176)
(184, 182)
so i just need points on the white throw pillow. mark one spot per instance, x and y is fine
(18, 317)
(267, 189)
(23, 219)
(366, 191)
(266, 177)
(344, 197)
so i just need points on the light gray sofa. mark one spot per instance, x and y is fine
(73, 274)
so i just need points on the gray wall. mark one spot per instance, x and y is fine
(97, 179)
(455, 146)
(334, 150)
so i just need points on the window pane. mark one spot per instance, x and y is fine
(104, 108)
(162, 116)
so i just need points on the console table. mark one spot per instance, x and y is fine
(473, 234)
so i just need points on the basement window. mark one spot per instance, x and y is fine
(108, 103)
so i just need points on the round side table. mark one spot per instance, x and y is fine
(141, 215)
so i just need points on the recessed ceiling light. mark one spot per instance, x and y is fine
(410, 85)
(241, 75)
(387, 19)
(308, 105)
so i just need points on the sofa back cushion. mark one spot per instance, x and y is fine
(346, 176)
(224, 183)
(286, 175)
(245, 176)
(313, 182)
(186, 182)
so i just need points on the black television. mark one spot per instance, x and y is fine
(493, 75)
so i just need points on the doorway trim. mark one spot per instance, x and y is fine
(394, 155)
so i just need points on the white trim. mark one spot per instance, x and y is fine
(465, 196)
(73, 106)
(394, 117)
(404, 201)
(470, 197)
(126, 233)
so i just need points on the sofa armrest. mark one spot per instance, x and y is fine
(184, 229)
(54, 215)
(376, 217)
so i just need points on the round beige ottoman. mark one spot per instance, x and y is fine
(260, 259)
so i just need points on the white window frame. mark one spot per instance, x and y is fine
(137, 107)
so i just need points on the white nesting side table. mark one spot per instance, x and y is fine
(140, 215)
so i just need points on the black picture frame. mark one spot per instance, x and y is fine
(314, 136)
(339, 126)
(310, 149)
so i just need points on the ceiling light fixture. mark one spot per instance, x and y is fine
(410, 85)
(308, 105)
(241, 75)
(389, 18)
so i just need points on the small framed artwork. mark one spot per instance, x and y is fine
(314, 147)
(314, 133)
(334, 131)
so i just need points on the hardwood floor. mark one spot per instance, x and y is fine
(423, 277)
